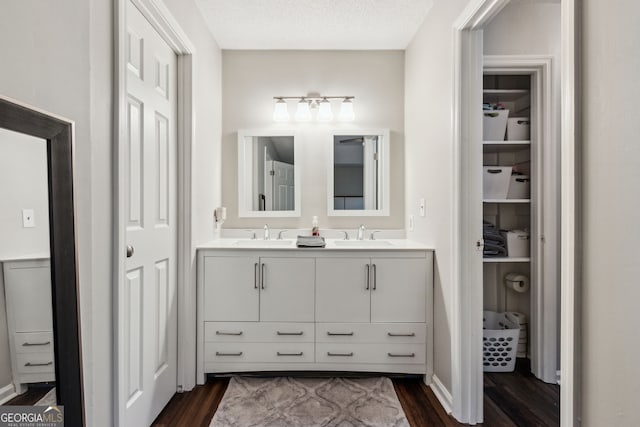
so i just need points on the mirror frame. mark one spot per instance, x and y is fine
(384, 167)
(245, 167)
(58, 132)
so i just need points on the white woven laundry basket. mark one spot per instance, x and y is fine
(499, 341)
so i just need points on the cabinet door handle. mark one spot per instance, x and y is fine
(340, 334)
(228, 354)
(367, 279)
(289, 354)
(262, 282)
(289, 333)
(38, 364)
(340, 354)
(391, 334)
(228, 333)
(375, 276)
(31, 344)
(255, 275)
(401, 355)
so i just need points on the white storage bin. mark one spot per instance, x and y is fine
(517, 243)
(518, 129)
(519, 187)
(499, 341)
(494, 124)
(495, 182)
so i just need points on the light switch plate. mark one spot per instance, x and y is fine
(28, 218)
(422, 207)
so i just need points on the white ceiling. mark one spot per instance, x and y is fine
(314, 24)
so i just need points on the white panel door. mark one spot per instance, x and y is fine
(342, 290)
(148, 307)
(287, 289)
(398, 290)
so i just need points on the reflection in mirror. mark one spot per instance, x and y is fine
(359, 174)
(27, 372)
(268, 184)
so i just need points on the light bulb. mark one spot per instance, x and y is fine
(346, 111)
(303, 113)
(324, 111)
(280, 111)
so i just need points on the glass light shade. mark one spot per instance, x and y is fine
(324, 111)
(346, 111)
(280, 111)
(303, 113)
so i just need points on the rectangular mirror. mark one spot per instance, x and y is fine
(268, 180)
(359, 174)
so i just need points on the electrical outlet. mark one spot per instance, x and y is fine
(422, 208)
(28, 218)
(410, 222)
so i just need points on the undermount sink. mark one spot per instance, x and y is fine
(263, 243)
(363, 243)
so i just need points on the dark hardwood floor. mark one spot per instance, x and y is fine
(510, 399)
(31, 396)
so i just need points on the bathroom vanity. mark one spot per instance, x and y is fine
(352, 306)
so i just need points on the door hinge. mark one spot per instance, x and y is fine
(375, 156)
(272, 173)
(480, 244)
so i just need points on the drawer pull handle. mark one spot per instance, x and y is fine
(38, 364)
(32, 344)
(340, 354)
(289, 354)
(228, 354)
(290, 333)
(391, 334)
(228, 333)
(401, 355)
(340, 334)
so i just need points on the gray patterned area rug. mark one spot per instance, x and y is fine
(309, 402)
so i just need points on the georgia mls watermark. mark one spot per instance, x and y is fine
(31, 416)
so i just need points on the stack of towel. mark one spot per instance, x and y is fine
(310, 242)
(494, 244)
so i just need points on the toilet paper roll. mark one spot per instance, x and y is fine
(516, 282)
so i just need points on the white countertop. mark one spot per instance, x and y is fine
(27, 257)
(332, 245)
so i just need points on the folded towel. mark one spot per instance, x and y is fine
(311, 242)
(491, 250)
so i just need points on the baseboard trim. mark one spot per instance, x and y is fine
(7, 393)
(441, 392)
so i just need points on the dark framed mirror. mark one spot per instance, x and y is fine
(58, 134)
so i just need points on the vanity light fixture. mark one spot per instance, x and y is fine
(280, 111)
(306, 104)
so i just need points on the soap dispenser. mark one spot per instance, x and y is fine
(315, 231)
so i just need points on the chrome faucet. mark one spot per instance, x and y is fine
(361, 230)
(280, 234)
(373, 237)
(267, 233)
(252, 233)
(346, 235)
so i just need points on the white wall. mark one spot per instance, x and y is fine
(252, 78)
(610, 204)
(58, 56)
(429, 160)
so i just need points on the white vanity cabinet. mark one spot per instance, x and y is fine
(27, 285)
(314, 309)
(375, 289)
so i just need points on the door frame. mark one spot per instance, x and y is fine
(168, 28)
(466, 333)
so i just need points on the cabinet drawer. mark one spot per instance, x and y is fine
(371, 332)
(371, 353)
(228, 352)
(31, 363)
(34, 342)
(258, 332)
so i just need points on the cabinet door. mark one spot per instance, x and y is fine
(231, 289)
(287, 289)
(400, 290)
(28, 296)
(342, 290)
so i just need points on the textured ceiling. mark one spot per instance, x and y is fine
(314, 24)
